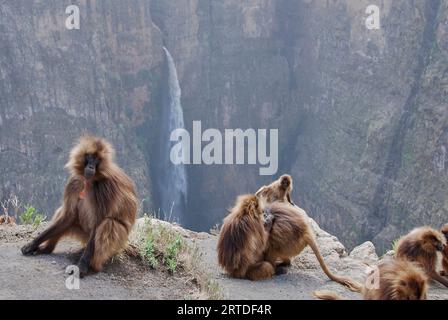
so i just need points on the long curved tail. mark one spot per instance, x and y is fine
(327, 295)
(350, 284)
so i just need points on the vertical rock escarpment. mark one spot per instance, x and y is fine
(361, 113)
(386, 208)
(56, 83)
(339, 94)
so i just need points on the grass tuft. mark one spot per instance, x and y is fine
(31, 217)
(161, 246)
(394, 245)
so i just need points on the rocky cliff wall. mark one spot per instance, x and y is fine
(362, 114)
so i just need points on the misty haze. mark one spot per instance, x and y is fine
(361, 112)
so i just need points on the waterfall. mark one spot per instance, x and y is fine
(172, 178)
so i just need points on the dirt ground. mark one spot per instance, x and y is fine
(44, 277)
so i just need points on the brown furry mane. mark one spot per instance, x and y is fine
(99, 210)
(291, 232)
(88, 144)
(400, 280)
(423, 246)
(242, 241)
(420, 241)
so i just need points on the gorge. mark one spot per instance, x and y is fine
(362, 114)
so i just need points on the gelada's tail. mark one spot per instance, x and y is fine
(327, 295)
(350, 284)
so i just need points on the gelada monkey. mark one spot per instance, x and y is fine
(398, 280)
(290, 234)
(279, 190)
(242, 240)
(291, 231)
(99, 206)
(422, 245)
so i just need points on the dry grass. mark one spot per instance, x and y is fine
(160, 245)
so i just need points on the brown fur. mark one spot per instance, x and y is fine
(399, 280)
(242, 241)
(290, 234)
(279, 190)
(7, 220)
(422, 246)
(99, 211)
(444, 272)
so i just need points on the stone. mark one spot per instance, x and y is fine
(365, 252)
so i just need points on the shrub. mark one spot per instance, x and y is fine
(31, 217)
(148, 252)
(161, 244)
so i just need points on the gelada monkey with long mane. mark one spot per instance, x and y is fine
(291, 231)
(99, 206)
(242, 240)
(423, 246)
(398, 280)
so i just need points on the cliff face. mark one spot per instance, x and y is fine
(56, 83)
(361, 113)
(367, 156)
